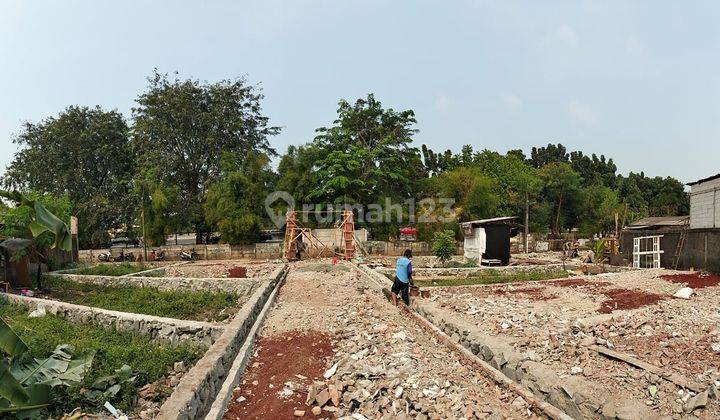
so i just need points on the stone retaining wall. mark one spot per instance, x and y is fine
(165, 330)
(464, 272)
(573, 395)
(197, 390)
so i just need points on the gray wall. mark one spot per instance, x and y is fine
(700, 251)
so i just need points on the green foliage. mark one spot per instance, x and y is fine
(474, 193)
(32, 216)
(26, 383)
(159, 201)
(443, 246)
(193, 305)
(598, 248)
(184, 127)
(494, 277)
(17, 220)
(120, 269)
(366, 154)
(112, 348)
(84, 154)
(232, 203)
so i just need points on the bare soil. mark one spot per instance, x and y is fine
(694, 280)
(627, 299)
(290, 361)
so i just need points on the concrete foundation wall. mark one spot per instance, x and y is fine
(195, 393)
(165, 330)
(700, 251)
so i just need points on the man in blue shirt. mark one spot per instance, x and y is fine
(403, 277)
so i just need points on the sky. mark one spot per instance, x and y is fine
(636, 81)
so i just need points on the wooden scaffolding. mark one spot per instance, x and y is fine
(297, 235)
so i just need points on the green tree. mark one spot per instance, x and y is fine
(82, 154)
(367, 154)
(184, 127)
(157, 217)
(475, 194)
(232, 202)
(561, 186)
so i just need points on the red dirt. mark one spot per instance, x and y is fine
(237, 272)
(532, 293)
(627, 299)
(576, 283)
(278, 359)
(694, 280)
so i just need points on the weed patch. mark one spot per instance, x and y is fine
(192, 305)
(112, 350)
(112, 269)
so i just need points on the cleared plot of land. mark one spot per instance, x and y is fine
(151, 362)
(219, 269)
(334, 346)
(190, 305)
(560, 323)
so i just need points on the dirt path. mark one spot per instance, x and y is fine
(333, 346)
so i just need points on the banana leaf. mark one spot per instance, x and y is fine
(10, 388)
(62, 368)
(45, 221)
(10, 343)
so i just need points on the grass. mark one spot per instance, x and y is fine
(112, 269)
(494, 277)
(192, 305)
(113, 349)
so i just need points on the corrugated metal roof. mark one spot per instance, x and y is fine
(660, 221)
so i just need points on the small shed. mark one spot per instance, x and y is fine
(487, 241)
(15, 261)
(660, 223)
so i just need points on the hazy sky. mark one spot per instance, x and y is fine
(637, 81)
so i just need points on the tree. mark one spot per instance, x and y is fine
(444, 245)
(83, 154)
(475, 195)
(232, 202)
(561, 186)
(541, 156)
(158, 203)
(184, 127)
(367, 154)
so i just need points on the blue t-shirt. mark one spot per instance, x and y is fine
(403, 269)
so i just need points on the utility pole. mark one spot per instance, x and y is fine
(527, 220)
(142, 220)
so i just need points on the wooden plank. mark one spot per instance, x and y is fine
(675, 378)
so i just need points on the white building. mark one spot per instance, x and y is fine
(705, 203)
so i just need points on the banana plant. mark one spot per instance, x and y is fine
(25, 382)
(43, 220)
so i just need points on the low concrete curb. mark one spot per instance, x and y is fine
(197, 390)
(218, 408)
(566, 395)
(166, 330)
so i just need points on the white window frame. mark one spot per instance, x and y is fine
(655, 251)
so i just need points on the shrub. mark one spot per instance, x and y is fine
(444, 245)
